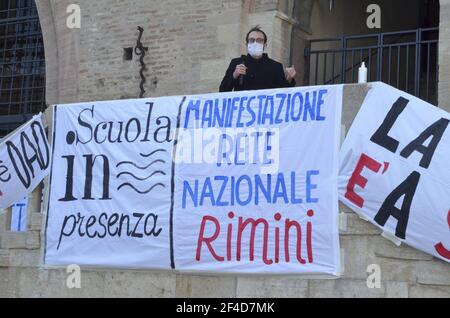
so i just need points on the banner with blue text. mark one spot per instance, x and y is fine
(255, 186)
(242, 182)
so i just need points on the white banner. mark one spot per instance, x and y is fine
(395, 169)
(24, 161)
(111, 186)
(256, 187)
(257, 168)
(19, 216)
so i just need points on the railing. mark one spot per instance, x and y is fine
(407, 60)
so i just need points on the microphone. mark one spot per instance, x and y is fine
(241, 78)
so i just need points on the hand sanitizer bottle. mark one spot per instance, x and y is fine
(362, 74)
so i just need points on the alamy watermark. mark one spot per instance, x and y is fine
(73, 280)
(374, 278)
(231, 146)
(73, 20)
(374, 19)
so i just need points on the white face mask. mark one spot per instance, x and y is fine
(256, 50)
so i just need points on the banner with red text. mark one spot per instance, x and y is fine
(256, 182)
(242, 182)
(395, 169)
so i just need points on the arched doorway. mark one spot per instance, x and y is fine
(22, 64)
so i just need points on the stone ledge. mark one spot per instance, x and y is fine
(4, 258)
(397, 290)
(25, 258)
(354, 225)
(13, 240)
(33, 240)
(20, 240)
(434, 273)
(347, 288)
(278, 287)
(422, 291)
(139, 284)
(205, 286)
(361, 251)
(36, 221)
(386, 249)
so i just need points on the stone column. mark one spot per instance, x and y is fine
(61, 51)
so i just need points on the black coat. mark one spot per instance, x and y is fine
(263, 73)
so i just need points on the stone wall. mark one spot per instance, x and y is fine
(405, 272)
(190, 44)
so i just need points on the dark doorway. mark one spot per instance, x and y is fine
(403, 53)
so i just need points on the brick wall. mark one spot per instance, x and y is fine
(190, 44)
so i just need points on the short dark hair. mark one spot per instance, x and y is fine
(256, 29)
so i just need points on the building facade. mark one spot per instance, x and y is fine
(188, 45)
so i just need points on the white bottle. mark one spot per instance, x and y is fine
(362, 74)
